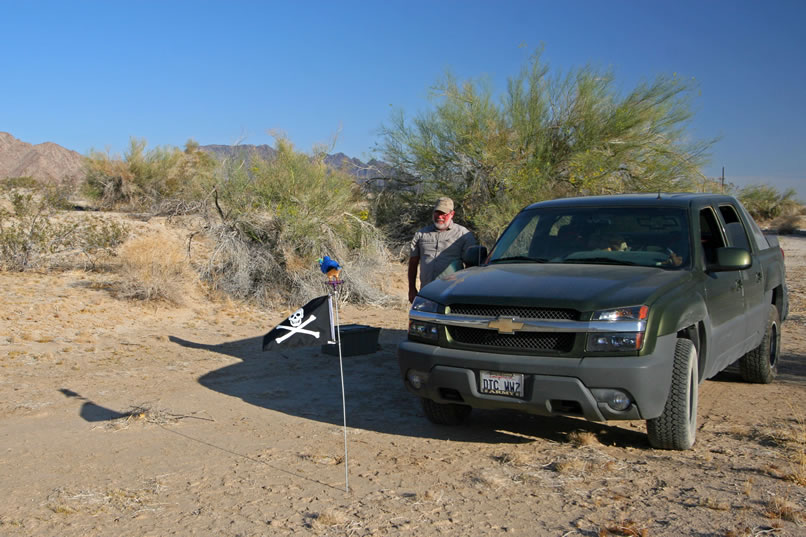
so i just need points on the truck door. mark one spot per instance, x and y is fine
(756, 308)
(724, 299)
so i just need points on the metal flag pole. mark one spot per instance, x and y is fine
(335, 294)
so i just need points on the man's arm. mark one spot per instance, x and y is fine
(414, 262)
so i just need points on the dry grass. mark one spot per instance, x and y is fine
(741, 532)
(583, 438)
(571, 466)
(328, 460)
(716, 505)
(511, 458)
(790, 435)
(92, 502)
(155, 268)
(146, 414)
(626, 528)
(327, 519)
(783, 508)
(797, 452)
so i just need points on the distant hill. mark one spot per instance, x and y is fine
(49, 162)
(46, 162)
(238, 152)
(374, 169)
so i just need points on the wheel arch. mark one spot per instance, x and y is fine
(686, 316)
(696, 334)
(778, 301)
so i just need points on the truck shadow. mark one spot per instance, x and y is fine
(791, 369)
(307, 383)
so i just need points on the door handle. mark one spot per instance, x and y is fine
(758, 276)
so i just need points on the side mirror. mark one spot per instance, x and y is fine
(731, 258)
(475, 256)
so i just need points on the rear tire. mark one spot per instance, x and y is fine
(761, 364)
(444, 414)
(676, 427)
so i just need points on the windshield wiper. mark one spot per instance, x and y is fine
(519, 258)
(603, 260)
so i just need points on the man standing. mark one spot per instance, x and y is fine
(438, 248)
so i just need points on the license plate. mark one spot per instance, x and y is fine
(498, 383)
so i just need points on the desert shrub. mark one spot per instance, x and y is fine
(98, 238)
(786, 225)
(155, 268)
(33, 233)
(26, 182)
(545, 137)
(148, 180)
(273, 221)
(27, 232)
(765, 202)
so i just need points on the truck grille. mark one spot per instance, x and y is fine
(524, 312)
(526, 341)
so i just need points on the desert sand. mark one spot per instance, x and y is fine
(128, 418)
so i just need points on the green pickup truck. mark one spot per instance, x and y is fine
(606, 308)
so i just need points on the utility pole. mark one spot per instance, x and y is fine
(723, 179)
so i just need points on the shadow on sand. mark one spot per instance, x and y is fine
(91, 411)
(306, 383)
(791, 369)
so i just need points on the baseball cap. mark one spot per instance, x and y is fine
(444, 205)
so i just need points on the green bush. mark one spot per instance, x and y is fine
(765, 202)
(547, 137)
(271, 222)
(26, 182)
(32, 234)
(148, 180)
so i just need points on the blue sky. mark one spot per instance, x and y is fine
(91, 74)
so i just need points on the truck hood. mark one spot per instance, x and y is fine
(579, 287)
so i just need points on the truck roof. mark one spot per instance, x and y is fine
(660, 199)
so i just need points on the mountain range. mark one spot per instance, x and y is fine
(362, 171)
(49, 162)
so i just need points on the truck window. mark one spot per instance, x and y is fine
(755, 231)
(645, 236)
(710, 236)
(737, 236)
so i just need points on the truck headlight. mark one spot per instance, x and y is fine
(632, 313)
(631, 318)
(615, 341)
(423, 330)
(424, 305)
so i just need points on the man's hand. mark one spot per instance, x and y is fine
(414, 261)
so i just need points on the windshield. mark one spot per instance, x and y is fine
(643, 236)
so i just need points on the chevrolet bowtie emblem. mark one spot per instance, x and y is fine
(505, 325)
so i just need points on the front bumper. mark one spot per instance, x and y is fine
(552, 385)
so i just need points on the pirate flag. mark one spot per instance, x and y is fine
(312, 324)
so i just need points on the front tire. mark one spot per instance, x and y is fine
(761, 364)
(676, 427)
(444, 414)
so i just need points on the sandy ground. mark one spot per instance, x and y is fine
(122, 418)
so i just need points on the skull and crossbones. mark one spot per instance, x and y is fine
(297, 326)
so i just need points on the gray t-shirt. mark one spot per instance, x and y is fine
(440, 252)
